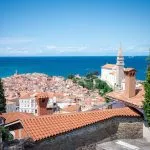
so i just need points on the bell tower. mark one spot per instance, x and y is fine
(119, 68)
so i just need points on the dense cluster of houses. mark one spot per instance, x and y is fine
(20, 91)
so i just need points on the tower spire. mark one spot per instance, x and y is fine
(119, 68)
(120, 53)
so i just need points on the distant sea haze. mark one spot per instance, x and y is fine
(63, 66)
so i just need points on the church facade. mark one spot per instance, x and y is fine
(113, 74)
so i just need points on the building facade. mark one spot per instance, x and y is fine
(28, 104)
(11, 106)
(113, 74)
(108, 74)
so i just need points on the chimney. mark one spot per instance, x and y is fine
(130, 82)
(42, 100)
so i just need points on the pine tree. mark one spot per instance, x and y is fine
(147, 94)
(2, 98)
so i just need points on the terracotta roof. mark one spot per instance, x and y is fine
(136, 101)
(42, 95)
(71, 108)
(109, 66)
(42, 127)
(26, 95)
(129, 69)
(13, 116)
(35, 94)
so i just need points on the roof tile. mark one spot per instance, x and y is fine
(13, 116)
(49, 125)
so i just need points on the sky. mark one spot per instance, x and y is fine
(74, 27)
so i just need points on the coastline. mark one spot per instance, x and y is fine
(65, 65)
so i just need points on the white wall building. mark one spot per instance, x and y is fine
(11, 106)
(113, 73)
(108, 74)
(27, 103)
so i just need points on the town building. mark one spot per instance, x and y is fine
(49, 101)
(11, 106)
(113, 73)
(108, 74)
(132, 95)
(27, 103)
(34, 103)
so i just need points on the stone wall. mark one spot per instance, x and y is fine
(115, 128)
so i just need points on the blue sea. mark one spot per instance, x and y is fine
(63, 66)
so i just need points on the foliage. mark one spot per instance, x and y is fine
(92, 82)
(81, 83)
(92, 75)
(74, 80)
(2, 98)
(89, 85)
(6, 136)
(71, 76)
(107, 100)
(147, 97)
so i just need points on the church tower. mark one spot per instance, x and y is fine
(119, 68)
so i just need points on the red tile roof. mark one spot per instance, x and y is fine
(136, 101)
(26, 95)
(13, 116)
(71, 108)
(129, 69)
(42, 95)
(109, 66)
(50, 125)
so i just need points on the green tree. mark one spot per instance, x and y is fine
(146, 104)
(92, 75)
(2, 98)
(107, 100)
(71, 76)
(81, 83)
(89, 85)
(6, 136)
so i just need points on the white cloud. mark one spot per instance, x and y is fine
(63, 49)
(50, 47)
(139, 48)
(19, 52)
(14, 40)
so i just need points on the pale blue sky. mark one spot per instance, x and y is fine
(74, 27)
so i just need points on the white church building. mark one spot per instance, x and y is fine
(113, 74)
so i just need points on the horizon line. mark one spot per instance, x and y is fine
(77, 56)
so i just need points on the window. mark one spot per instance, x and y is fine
(32, 103)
